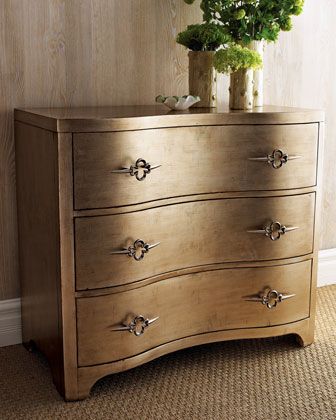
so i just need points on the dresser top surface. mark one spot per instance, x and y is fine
(119, 118)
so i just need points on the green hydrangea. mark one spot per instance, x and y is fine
(239, 14)
(203, 37)
(247, 20)
(236, 57)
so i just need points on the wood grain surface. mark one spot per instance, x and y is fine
(299, 70)
(80, 53)
(118, 52)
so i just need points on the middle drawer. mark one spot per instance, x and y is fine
(119, 249)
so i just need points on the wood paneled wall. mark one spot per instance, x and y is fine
(299, 71)
(80, 52)
(119, 52)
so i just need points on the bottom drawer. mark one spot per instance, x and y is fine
(189, 305)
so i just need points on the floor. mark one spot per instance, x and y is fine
(269, 379)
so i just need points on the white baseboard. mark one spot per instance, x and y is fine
(10, 310)
(326, 267)
(10, 322)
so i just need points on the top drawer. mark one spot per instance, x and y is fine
(193, 160)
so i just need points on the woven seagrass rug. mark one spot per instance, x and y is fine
(269, 379)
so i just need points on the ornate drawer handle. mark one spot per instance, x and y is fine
(140, 166)
(271, 299)
(137, 250)
(274, 230)
(137, 326)
(276, 159)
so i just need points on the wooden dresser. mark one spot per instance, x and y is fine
(144, 231)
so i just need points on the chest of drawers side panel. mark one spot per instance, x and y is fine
(39, 242)
(44, 188)
(307, 335)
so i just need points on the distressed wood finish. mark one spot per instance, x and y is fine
(190, 234)
(194, 155)
(206, 260)
(219, 297)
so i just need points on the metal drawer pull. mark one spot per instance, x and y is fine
(137, 326)
(140, 166)
(276, 159)
(271, 299)
(137, 250)
(274, 230)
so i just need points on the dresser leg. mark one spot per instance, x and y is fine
(305, 339)
(75, 389)
(84, 388)
(30, 346)
(75, 397)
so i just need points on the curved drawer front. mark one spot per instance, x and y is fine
(189, 305)
(193, 160)
(190, 234)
